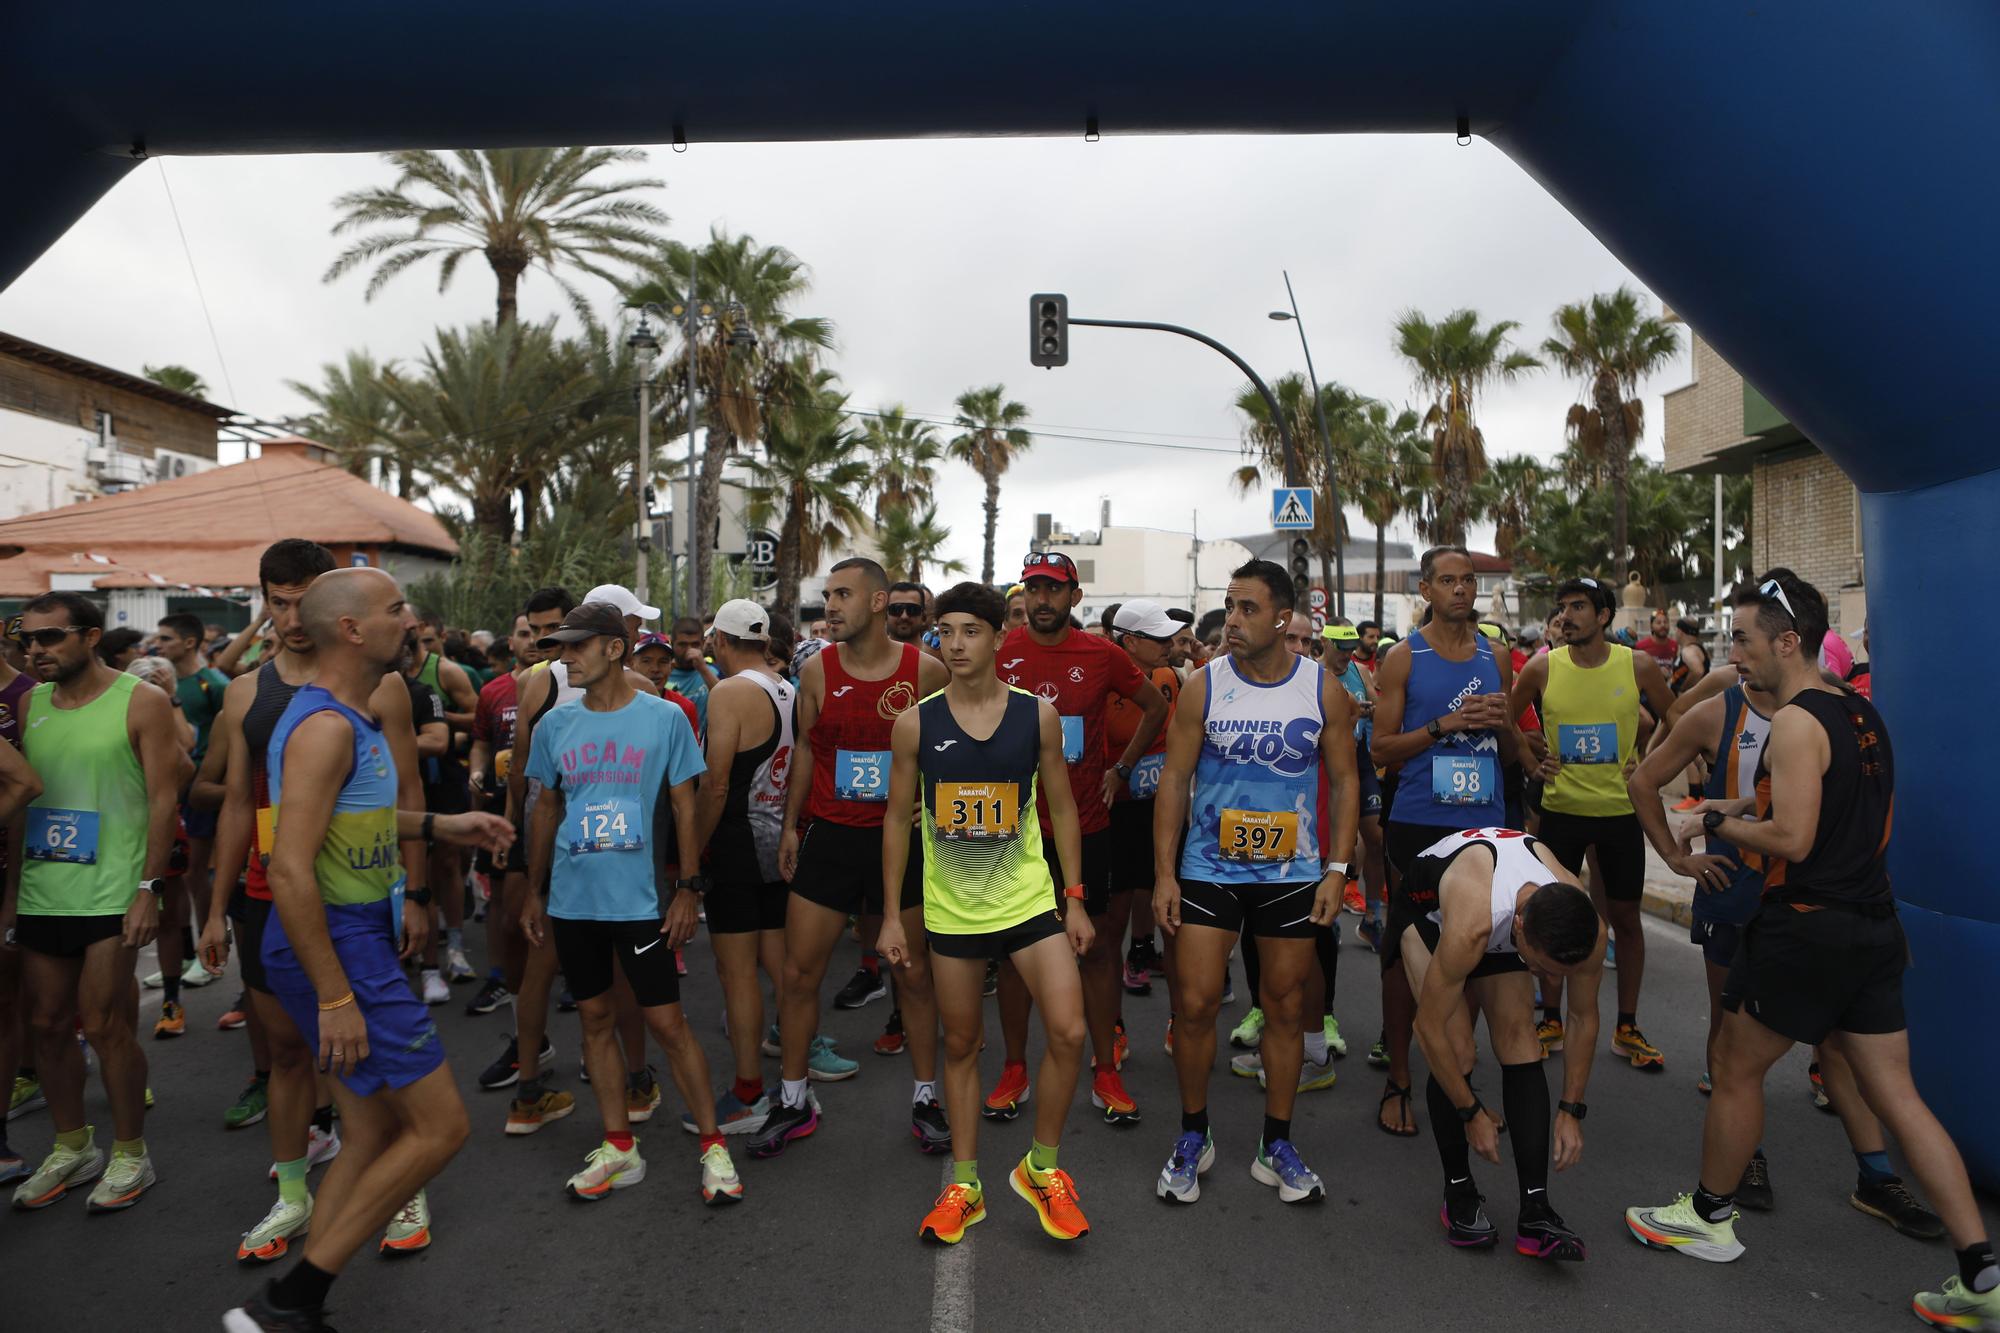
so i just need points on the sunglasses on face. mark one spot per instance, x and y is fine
(50, 637)
(906, 608)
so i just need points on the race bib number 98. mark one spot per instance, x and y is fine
(1259, 835)
(56, 834)
(1464, 779)
(982, 811)
(861, 775)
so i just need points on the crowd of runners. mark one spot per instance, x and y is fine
(999, 801)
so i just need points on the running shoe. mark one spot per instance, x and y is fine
(1248, 1065)
(1378, 1053)
(1956, 1306)
(27, 1097)
(527, 1117)
(505, 1072)
(1009, 1095)
(1545, 1237)
(1312, 1076)
(733, 1115)
(270, 1238)
(1611, 955)
(489, 997)
(1168, 1043)
(235, 1016)
(1330, 1029)
(772, 1046)
(151, 981)
(322, 1146)
(719, 1182)
(607, 1169)
(1686, 803)
(1249, 1034)
(1279, 1164)
(435, 990)
(1351, 899)
(1463, 1213)
(59, 1171)
(1892, 1201)
(1704, 1085)
(1550, 1033)
(826, 1065)
(892, 1041)
(1107, 1094)
(565, 1002)
(1628, 1041)
(1678, 1226)
(250, 1106)
(642, 1095)
(1053, 1199)
(172, 1022)
(784, 1124)
(457, 967)
(1754, 1190)
(1228, 989)
(122, 1183)
(12, 1168)
(930, 1127)
(1138, 981)
(959, 1207)
(409, 1230)
(196, 974)
(861, 988)
(149, 1096)
(1818, 1087)
(1370, 931)
(1180, 1178)
(991, 986)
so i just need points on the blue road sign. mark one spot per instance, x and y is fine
(1291, 507)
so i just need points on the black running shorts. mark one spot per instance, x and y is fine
(1131, 848)
(1620, 844)
(1097, 857)
(840, 868)
(584, 949)
(250, 915)
(1804, 973)
(65, 936)
(994, 945)
(1269, 911)
(739, 909)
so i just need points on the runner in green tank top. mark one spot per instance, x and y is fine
(973, 756)
(94, 847)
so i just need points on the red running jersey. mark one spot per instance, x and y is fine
(850, 741)
(1078, 676)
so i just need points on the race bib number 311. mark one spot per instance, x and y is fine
(56, 834)
(982, 811)
(861, 775)
(1259, 835)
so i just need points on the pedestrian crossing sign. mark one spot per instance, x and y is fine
(1291, 507)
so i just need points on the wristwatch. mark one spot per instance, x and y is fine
(698, 885)
(1122, 769)
(1466, 1113)
(156, 886)
(421, 897)
(1575, 1110)
(1712, 822)
(1436, 731)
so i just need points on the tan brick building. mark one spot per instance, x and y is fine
(1804, 513)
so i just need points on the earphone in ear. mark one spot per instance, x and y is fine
(1277, 624)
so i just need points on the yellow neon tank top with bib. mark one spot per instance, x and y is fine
(1591, 717)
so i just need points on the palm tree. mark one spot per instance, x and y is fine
(490, 409)
(1262, 441)
(755, 360)
(178, 378)
(911, 538)
(811, 470)
(1390, 472)
(906, 455)
(519, 207)
(354, 413)
(1455, 361)
(1610, 345)
(993, 438)
(1508, 494)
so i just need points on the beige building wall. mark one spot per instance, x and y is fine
(1705, 416)
(1806, 516)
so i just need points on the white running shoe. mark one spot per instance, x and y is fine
(608, 1169)
(719, 1181)
(122, 1183)
(59, 1171)
(270, 1238)
(435, 990)
(457, 967)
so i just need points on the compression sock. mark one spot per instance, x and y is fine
(622, 1142)
(1713, 1207)
(1454, 1154)
(795, 1092)
(304, 1288)
(292, 1181)
(1875, 1167)
(1976, 1267)
(748, 1090)
(128, 1147)
(711, 1141)
(1275, 1129)
(170, 988)
(925, 1092)
(967, 1174)
(1195, 1122)
(76, 1140)
(1524, 1096)
(1041, 1160)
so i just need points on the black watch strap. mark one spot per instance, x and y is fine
(1436, 731)
(1711, 821)
(421, 897)
(1466, 1113)
(1575, 1110)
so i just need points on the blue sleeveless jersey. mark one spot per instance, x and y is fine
(1456, 782)
(1253, 806)
(1734, 775)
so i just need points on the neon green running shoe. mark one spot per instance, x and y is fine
(1249, 1034)
(27, 1097)
(1956, 1307)
(1336, 1043)
(250, 1106)
(1679, 1227)
(272, 1237)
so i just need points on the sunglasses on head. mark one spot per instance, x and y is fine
(1773, 591)
(906, 608)
(49, 637)
(1053, 559)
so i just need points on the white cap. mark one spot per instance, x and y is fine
(741, 618)
(622, 598)
(1146, 617)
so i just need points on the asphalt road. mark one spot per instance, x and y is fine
(826, 1236)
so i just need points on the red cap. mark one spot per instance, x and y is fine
(1049, 565)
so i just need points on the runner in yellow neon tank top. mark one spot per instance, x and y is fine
(1588, 691)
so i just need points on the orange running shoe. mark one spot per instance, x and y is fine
(1351, 898)
(1009, 1095)
(1054, 1200)
(1107, 1094)
(173, 1021)
(959, 1207)
(1687, 803)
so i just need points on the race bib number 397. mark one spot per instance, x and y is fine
(56, 834)
(969, 811)
(861, 775)
(1259, 835)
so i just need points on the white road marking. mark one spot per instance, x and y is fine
(951, 1284)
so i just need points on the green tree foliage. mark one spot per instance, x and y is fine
(354, 413)
(178, 378)
(1455, 361)
(812, 469)
(993, 436)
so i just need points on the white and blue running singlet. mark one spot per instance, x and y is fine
(1252, 809)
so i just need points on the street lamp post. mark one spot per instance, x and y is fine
(1326, 443)
(644, 348)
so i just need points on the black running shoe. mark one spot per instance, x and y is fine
(991, 986)
(505, 1071)
(862, 987)
(490, 997)
(258, 1315)
(1542, 1235)
(932, 1130)
(1754, 1192)
(1465, 1222)
(784, 1124)
(1892, 1201)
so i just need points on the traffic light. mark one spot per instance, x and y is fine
(1301, 570)
(1048, 329)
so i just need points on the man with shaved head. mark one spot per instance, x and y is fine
(330, 951)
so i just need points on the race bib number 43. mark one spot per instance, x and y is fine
(56, 834)
(1593, 743)
(1464, 779)
(1259, 835)
(609, 825)
(969, 811)
(861, 775)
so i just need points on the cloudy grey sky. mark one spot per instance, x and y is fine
(923, 254)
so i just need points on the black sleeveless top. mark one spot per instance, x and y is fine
(1847, 866)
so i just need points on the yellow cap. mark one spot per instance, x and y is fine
(1017, 589)
(1489, 629)
(1341, 634)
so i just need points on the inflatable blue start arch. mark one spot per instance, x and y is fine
(1812, 183)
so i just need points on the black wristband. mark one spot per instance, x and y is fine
(1575, 1110)
(1466, 1113)
(421, 897)
(1435, 729)
(429, 820)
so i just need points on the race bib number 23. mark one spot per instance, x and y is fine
(861, 775)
